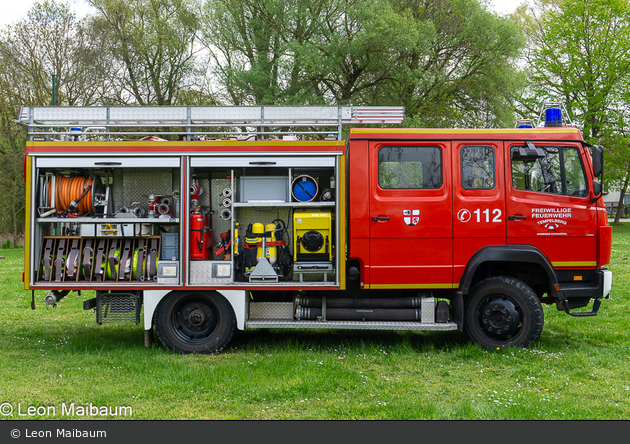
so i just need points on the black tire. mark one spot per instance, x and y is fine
(195, 322)
(503, 312)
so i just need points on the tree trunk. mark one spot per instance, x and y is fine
(622, 195)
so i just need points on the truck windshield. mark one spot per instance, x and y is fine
(560, 171)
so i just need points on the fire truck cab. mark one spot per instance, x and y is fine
(397, 229)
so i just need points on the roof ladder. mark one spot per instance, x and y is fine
(195, 122)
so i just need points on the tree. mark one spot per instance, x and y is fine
(49, 42)
(153, 45)
(617, 152)
(244, 40)
(12, 188)
(580, 55)
(52, 42)
(462, 70)
(446, 61)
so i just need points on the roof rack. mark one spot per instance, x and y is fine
(110, 122)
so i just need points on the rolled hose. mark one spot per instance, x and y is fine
(72, 189)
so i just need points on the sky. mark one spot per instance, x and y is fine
(12, 11)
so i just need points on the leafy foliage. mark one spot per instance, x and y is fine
(151, 43)
(580, 55)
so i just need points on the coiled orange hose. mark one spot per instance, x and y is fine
(68, 189)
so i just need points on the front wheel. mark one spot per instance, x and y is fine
(195, 322)
(503, 312)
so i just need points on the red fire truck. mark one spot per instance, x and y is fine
(262, 217)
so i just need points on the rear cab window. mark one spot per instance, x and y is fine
(410, 167)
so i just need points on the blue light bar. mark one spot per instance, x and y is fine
(525, 126)
(553, 117)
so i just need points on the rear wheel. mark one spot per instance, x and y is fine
(195, 322)
(503, 312)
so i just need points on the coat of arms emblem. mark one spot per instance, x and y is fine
(411, 217)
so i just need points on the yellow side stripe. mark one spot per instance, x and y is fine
(575, 264)
(397, 286)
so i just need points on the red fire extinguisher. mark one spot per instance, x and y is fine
(201, 240)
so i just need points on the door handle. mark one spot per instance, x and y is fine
(517, 217)
(379, 218)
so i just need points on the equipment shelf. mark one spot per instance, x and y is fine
(108, 220)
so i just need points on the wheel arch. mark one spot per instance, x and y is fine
(524, 262)
(236, 298)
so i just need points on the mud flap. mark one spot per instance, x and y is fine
(457, 304)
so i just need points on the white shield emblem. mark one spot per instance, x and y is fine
(411, 217)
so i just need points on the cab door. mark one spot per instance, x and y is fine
(548, 203)
(478, 200)
(410, 215)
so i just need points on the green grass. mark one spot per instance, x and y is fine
(579, 369)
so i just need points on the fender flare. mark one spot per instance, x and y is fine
(510, 253)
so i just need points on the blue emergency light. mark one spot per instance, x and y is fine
(553, 117)
(525, 126)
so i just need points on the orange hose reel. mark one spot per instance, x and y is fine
(68, 189)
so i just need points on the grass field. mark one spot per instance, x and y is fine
(51, 358)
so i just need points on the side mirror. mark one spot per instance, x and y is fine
(598, 161)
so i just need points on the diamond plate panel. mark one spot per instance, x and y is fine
(139, 183)
(201, 273)
(62, 114)
(271, 310)
(225, 114)
(147, 114)
(297, 113)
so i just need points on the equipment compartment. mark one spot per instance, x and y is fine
(101, 220)
(253, 212)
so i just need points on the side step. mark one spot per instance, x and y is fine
(593, 312)
(351, 325)
(428, 315)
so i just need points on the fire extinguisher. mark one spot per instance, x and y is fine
(200, 242)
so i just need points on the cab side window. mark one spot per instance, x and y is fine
(555, 170)
(410, 167)
(477, 163)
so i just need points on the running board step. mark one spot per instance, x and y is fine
(351, 325)
(593, 312)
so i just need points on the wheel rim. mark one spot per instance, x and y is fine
(499, 317)
(194, 319)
